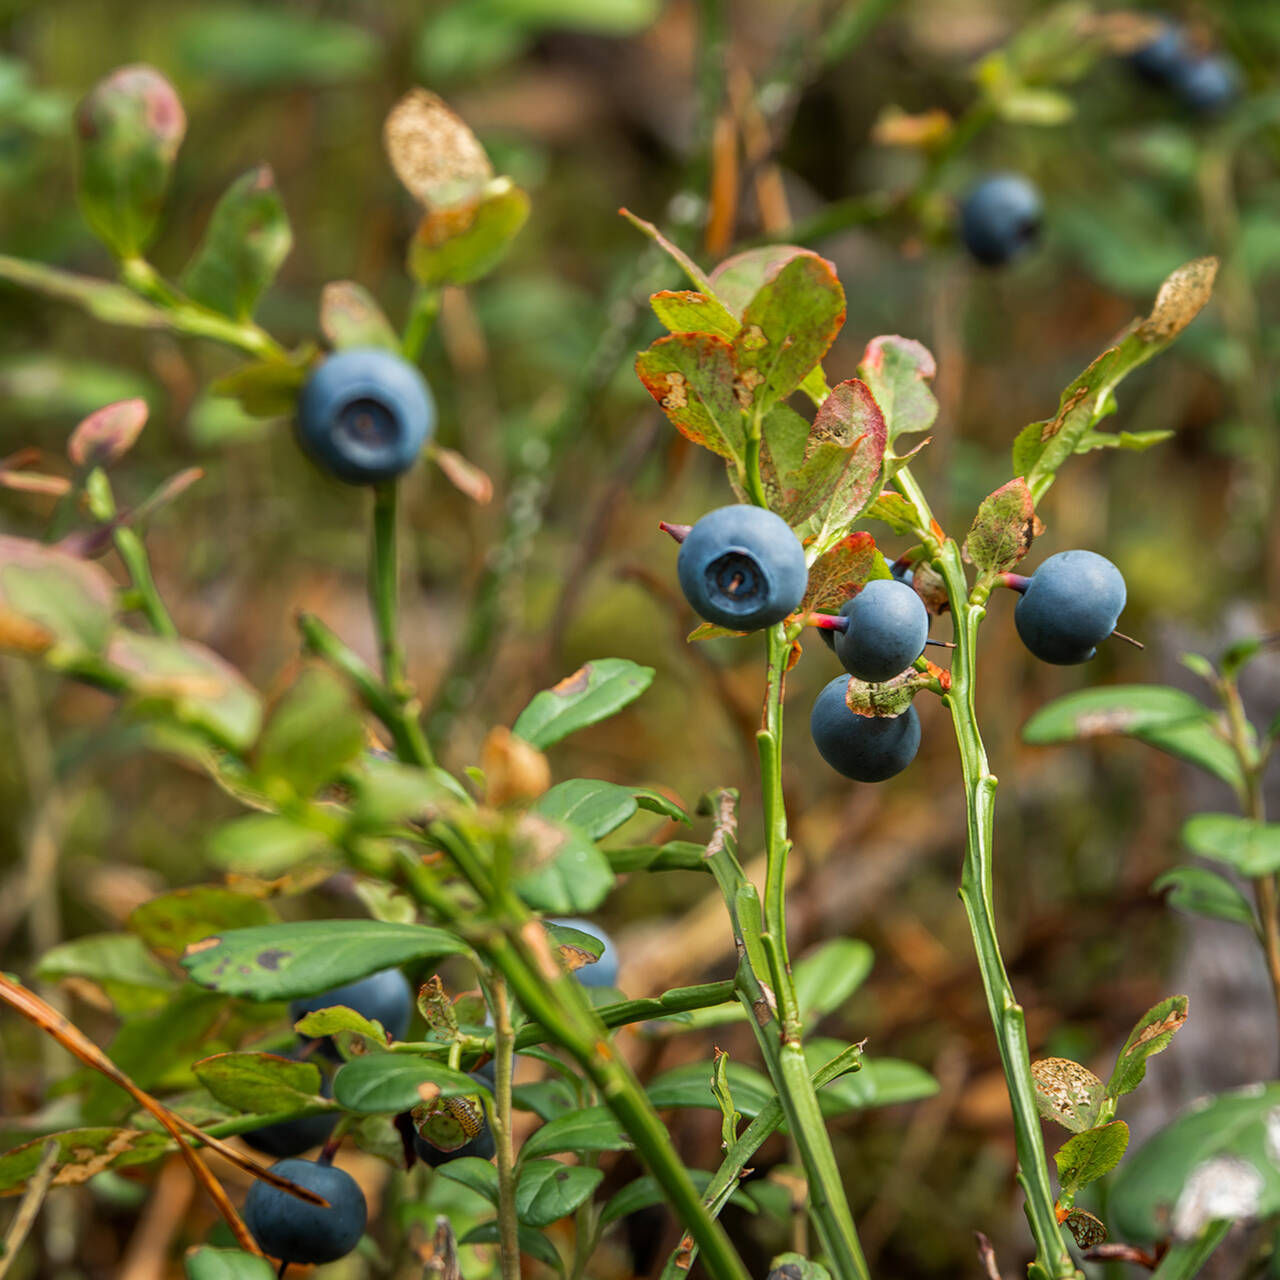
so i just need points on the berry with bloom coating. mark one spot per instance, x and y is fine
(382, 997)
(888, 625)
(295, 1231)
(1208, 84)
(741, 567)
(1070, 605)
(364, 415)
(864, 748)
(1000, 218)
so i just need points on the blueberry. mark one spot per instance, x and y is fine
(741, 567)
(295, 1231)
(384, 997)
(293, 1137)
(481, 1146)
(888, 625)
(1071, 605)
(364, 415)
(1000, 218)
(604, 973)
(1208, 85)
(864, 748)
(1162, 57)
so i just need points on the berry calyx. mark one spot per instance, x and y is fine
(888, 627)
(297, 1232)
(741, 567)
(1071, 604)
(1000, 218)
(382, 997)
(864, 748)
(364, 415)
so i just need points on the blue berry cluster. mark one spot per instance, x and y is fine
(1207, 82)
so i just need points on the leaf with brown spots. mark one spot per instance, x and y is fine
(691, 376)
(432, 150)
(838, 574)
(1003, 529)
(1152, 1034)
(80, 1154)
(890, 697)
(351, 317)
(1067, 1093)
(1086, 1229)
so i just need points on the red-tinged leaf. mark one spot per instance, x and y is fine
(898, 371)
(738, 279)
(12, 475)
(688, 311)
(843, 458)
(52, 603)
(691, 376)
(465, 476)
(165, 493)
(1003, 529)
(840, 573)
(787, 328)
(108, 434)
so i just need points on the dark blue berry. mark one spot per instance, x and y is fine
(1072, 603)
(293, 1137)
(741, 567)
(1000, 218)
(1208, 85)
(364, 415)
(383, 997)
(604, 973)
(1161, 58)
(864, 748)
(888, 625)
(297, 1232)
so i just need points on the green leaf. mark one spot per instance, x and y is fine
(730, 1116)
(52, 603)
(388, 1083)
(590, 1129)
(1151, 1035)
(1169, 719)
(245, 244)
(103, 299)
(471, 1171)
(81, 1154)
(1240, 1125)
(595, 808)
(576, 948)
(1204, 892)
(351, 317)
(189, 683)
(827, 978)
(1131, 441)
(878, 1082)
(547, 1099)
(787, 327)
(795, 1266)
(204, 1263)
(1091, 1155)
(460, 243)
(675, 855)
(263, 844)
(1003, 529)
(898, 371)
(349, 1029)
(532, 1242)
(129, 128)
(646, 1191)
(260, 1082)
(106, 958)
(388, 793)
(1043, 447)
(740, 278)
(688, 311)
(558, 869)
(691, 376)
(303, 958)
(896, 511)
(264, 388)
(548, 1190)
(1067, 1093)
(171, 922)
(311, 733)
(604, 17)
(656, 802)
(690, 1086)
(1252, 848)
(596, 691)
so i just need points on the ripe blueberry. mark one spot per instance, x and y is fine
(384, 997)
(1000, 218)
(295, 1231)
(888, 625)
(864, 748)
(741, 567)
(364, 415)
(604, 973)
(293, 1137)
(1071, 604)
(482, 1146)
(1162, 57)
(1207, 84)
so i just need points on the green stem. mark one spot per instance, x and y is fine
(559, 1002)
(1186, 1258)
(422, 318)
(504, 1056)
(769, 748)
(384, 586)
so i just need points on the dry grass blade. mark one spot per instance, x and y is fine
(29, 1209)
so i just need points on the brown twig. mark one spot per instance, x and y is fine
(987, 1256)
(29, 1209)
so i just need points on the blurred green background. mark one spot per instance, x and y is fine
(592, 105)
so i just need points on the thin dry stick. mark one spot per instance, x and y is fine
(987, 1256)
(71, 1038)
(29, 1209)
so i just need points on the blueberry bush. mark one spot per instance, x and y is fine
(384, 953)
